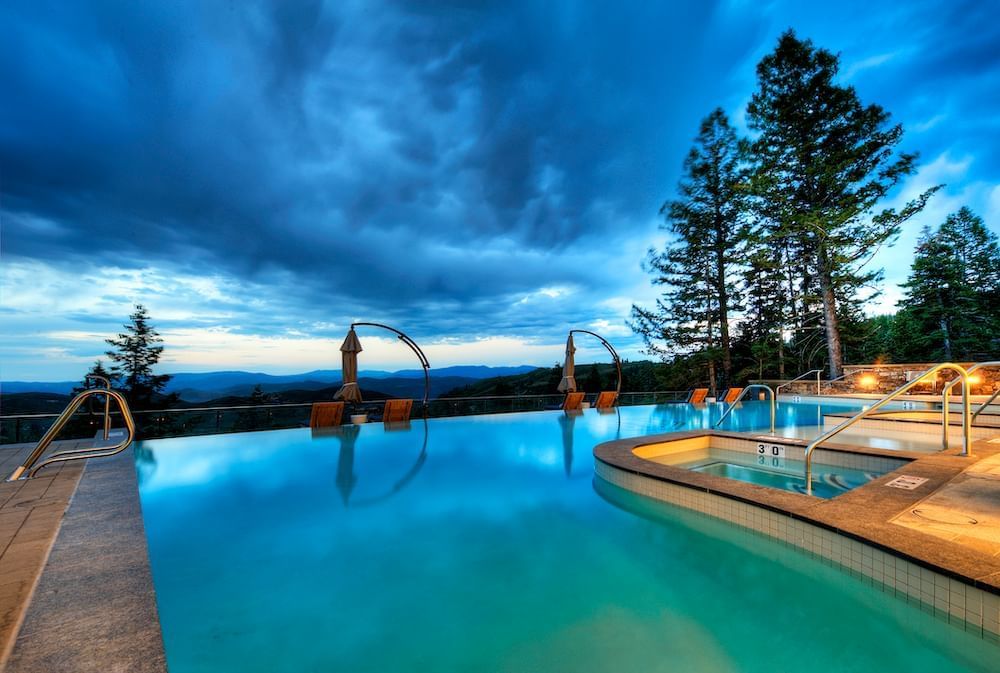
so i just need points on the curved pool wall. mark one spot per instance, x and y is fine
(487, 548)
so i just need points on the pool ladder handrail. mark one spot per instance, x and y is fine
(963, 376)
(752, 386)
(951, 384)
(79, 454)
(817, 372)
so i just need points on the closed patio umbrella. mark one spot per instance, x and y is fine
(568, 383)
(349, 353)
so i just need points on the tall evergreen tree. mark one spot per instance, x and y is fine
(953, 291)
(979, 254)
(766, 303)
(823, 163)
(135, 352)
(698, 268)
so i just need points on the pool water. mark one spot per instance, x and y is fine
(785, 474)
(486, 544)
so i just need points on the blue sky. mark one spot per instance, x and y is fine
(484, 176)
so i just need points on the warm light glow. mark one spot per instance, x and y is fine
(867, 381)
(975, 380)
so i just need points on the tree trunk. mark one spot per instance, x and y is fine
(711, 379)
(720, 278)
(947, 339)
(833, 345)
(781, 354)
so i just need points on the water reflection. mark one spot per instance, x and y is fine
(346, 479)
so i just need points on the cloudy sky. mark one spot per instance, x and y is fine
(481, 175)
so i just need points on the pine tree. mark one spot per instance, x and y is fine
(135, 352)
(765, 304)
(979, 255)
(698, 269)
(953, 292)
(939, 300)
(823, 162)
(96, 370)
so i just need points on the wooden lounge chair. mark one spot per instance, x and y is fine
(396, 411)
(326, 414)
(606, 400)
(732, 395)
(572, 401)
(698, 395)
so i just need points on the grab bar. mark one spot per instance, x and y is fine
(76, 454)
(951, 384)
(733, 405)
(963, 377)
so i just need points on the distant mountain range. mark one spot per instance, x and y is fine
(200, 387)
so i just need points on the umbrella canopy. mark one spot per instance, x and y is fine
(349, 354)
(568, 383)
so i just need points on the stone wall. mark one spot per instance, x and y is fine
(875, 378)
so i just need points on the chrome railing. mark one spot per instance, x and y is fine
(753, 386)
(902, 390)
(974, 368)
(32, 469)
(817, 372)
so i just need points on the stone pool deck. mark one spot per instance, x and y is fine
(76, 592)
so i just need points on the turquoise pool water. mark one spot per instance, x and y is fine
(485, 544)
(828, 481)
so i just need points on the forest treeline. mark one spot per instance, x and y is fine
(769, 264)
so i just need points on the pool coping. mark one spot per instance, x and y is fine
(94, 607)
(863, 514)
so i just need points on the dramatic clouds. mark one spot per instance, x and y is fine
(261, 173)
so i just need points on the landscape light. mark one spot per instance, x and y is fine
(867, 381)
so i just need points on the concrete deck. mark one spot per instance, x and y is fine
(91, 605)
(31, 513)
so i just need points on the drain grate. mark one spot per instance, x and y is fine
(951, 518)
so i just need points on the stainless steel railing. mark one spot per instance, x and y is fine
(902, 390)
(753, 386)
(970, 371)
(29, 464)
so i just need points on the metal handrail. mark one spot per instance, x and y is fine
(76, 454)
(969, 371)
(817, 372)
(985, 404)
(413, 347)
(757, 386)
(611, 349)
(107, 401)
(902, 390)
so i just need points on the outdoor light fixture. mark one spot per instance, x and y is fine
(867, 381)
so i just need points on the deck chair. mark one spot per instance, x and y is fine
(697, 395)
(396, 411)
(606, 399)
(572, 401)
(326, 414)
(732, 395)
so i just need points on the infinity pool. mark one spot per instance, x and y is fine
(484, 543)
